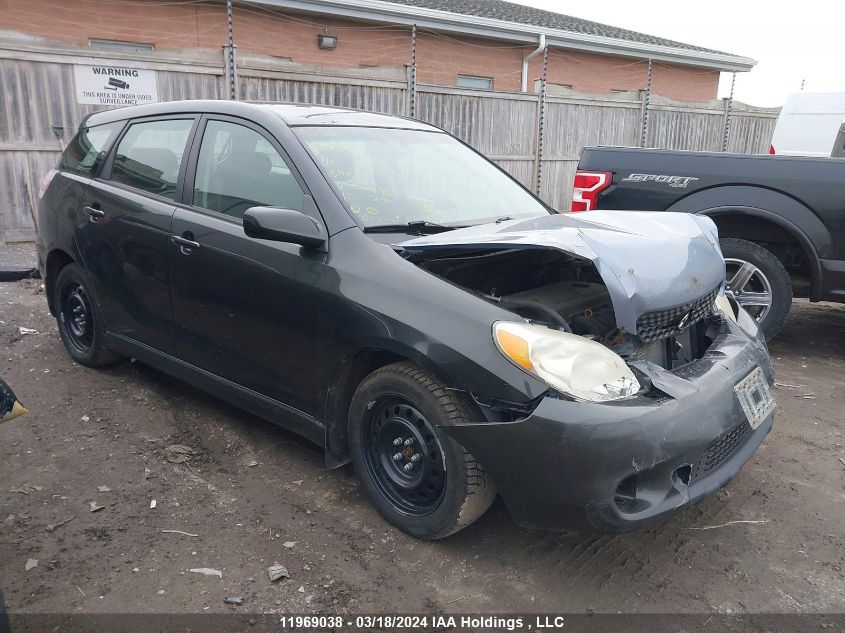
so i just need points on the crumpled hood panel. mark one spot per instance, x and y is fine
(648, 260)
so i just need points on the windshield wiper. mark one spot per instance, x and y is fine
(424, 227)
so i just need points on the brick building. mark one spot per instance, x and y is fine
(480, 44)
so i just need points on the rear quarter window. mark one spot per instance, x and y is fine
(88, 148)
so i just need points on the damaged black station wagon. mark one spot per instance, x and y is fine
(377, 286)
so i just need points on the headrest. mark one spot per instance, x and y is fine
(256, 164)
(159, 158)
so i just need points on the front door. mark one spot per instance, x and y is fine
(123, 229)
(243, 308)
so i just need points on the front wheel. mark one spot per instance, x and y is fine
(759, 282)
(416, 476)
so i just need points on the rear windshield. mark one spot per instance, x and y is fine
(389, 176)
(88, 148)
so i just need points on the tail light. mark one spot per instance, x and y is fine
(772, 150)
(45, 182)
(587, 187)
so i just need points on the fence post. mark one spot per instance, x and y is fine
(644, 110)
(231, 71)
(412, 75)
(729, 104)
(541, 123)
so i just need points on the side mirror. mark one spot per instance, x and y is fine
(283, 225)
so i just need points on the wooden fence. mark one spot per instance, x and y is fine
(39, 114)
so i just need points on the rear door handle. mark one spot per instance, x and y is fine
(186, 245)
(93, 213)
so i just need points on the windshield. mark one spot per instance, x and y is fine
(393, 177)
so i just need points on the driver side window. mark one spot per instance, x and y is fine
(238, 168)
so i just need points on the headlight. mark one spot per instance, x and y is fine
(724, 306)
(572, 364)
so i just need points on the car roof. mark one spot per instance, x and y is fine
(293, 114)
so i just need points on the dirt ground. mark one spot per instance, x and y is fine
(255, 495)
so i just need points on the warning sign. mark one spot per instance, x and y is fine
(115, 85)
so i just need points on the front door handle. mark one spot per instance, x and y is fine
(93, 213)
(186, 245)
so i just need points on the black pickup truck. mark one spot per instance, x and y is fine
(781, 219)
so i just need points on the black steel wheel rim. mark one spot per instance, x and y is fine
(77, 317)
(403, 455)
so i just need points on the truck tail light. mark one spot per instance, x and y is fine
(587, 187)
(45, 182)
(772, 150)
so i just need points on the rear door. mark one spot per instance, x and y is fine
(244, 309)
(60, 209)
(124, 230)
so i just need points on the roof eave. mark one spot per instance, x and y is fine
(381, 11)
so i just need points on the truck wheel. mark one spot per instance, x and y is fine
(416, 476)
(759, 281)
(81, 327)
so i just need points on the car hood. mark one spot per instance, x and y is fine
(648, 260)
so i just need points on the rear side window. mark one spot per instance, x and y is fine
(88, 148)
(149, 155)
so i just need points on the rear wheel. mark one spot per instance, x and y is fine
(78, 317)
(759, 282)
(418, 478)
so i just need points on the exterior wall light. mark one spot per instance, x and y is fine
(328, 42)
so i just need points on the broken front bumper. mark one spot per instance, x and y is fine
(618, 466)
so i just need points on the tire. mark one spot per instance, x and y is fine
(767, 277)
(83, 338)
(403, 402)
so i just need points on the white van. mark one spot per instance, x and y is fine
(808, 124)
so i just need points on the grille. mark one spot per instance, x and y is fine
(721, 449)
(653, 326)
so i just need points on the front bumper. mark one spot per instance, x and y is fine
(618, 466)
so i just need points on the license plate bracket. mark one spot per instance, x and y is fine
(755, 397)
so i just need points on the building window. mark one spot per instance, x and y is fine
(126, 47)
(476, 83)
